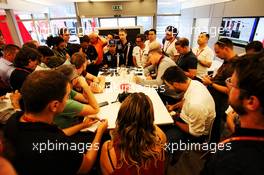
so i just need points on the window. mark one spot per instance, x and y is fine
(168, 7)
(62, 11)
(123, 22)
(108, 22)
(167, 15)
(25, 16)
(117, 22)
(145, 21)
(71, 24)
(39, 16)
(88, 25)
(163, 22)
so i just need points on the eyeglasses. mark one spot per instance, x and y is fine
(229, 83)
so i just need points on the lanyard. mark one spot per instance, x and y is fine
(198, 53)
(161, 58)
(168, 45)
(27, 119)
(23, 70)
(141, 53)
(244, 138)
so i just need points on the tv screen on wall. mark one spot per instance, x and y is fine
(240, 30)
(259, 34)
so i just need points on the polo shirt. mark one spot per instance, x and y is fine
(28, 160)
(141, 55)
(205, 54)
(198, 109)
(187, 61)
(170, 49)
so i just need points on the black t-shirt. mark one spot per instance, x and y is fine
(91, 53)
(187, 61)
(27, 137)
(111, 60)
(126, 50)
(18, 76)
(245, 157)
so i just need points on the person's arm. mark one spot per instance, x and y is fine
(208, 82)
(191, 73)
(15, 98)
(135, 61)
(87, 96)
(205, 63)
(148, 69)
(76, 128)
(230, 121)
(103, 41)
(220, 88)
(90, 157)
(91, 77)
(175, 106)
(98, 87)
(158, 81)
(183, 126)
(161, 134)
(105, 165)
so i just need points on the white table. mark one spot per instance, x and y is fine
(109, 112)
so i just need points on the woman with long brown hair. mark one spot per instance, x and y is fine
(137, 144)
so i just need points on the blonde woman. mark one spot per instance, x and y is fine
(137, 144)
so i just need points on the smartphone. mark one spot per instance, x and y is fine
(105, 103)
(107, 84)
(139, 74)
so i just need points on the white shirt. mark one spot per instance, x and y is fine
(42, 66)
(205, 54)
(147, 43)
(141, 55)
(170, 49)
(6, 68)
(198, 109)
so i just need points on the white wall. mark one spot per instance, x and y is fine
(215, 13)
(130, 8)
(20, 5)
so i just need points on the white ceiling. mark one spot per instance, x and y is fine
(41, 6)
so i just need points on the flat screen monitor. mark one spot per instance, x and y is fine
(240, 30)
(259, 34)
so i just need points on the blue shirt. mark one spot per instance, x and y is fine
(6, 68)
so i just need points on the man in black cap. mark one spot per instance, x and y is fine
(112, 58)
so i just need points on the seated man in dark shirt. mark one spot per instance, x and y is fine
(41, 147)
(243, 153)
(187, 60)
(25, 62)
(112, 58)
